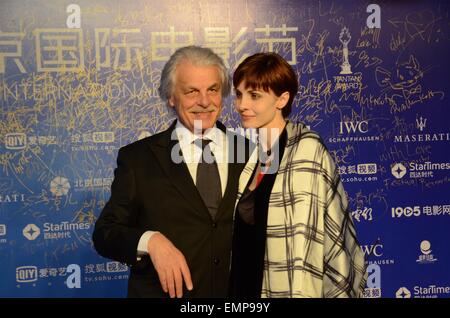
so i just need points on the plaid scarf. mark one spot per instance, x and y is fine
(311, 245)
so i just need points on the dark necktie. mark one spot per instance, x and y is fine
(208, 178)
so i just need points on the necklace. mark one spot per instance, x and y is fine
(264, 165)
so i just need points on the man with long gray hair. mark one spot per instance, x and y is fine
(172, 199)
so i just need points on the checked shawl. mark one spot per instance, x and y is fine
(311, 247)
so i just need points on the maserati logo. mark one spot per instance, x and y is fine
(421, 123)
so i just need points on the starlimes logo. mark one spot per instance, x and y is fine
(59, 186)
(31, 232)
(403, 292)
(398, 170)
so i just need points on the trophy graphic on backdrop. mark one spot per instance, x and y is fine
(345, 37)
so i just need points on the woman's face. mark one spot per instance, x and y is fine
(258, 108)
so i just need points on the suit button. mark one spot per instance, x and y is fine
(216, 261)
(214, 225)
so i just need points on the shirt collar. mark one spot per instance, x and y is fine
(186, 137)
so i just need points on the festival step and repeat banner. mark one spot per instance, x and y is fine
(79, 79)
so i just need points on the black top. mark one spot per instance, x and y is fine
(249, 235)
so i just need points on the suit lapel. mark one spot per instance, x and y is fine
(247, 173)
(234, 170)
(237, 145)
(177, 173)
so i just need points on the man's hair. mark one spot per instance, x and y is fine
(268, 71)
(198, 56)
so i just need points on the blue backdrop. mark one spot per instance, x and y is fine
(78, 80)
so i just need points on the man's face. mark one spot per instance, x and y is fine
(197, 94)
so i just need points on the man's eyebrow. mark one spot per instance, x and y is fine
(215, 85)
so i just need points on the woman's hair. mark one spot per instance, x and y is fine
(198, 56)
(268, 71)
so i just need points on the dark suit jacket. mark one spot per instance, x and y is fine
(151, 192)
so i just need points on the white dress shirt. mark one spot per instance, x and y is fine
(191, 156)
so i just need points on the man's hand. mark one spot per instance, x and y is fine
(170, 264)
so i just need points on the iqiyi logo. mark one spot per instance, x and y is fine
(403, 292)
(26, 274)
(31, 232)
(15, 141)
(398, 170)
(74, 279)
